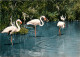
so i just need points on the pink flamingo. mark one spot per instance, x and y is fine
(11, 29)
(61, 24)
(36, 22)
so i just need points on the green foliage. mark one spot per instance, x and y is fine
(71, 14)
(2, 27)
(22, 31)
(53, 16)
(52, 9)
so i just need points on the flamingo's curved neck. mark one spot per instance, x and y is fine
(18, 29)
(65, 17)
(42, 22)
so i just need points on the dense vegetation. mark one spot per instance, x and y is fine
(52, 9)
(22, 31)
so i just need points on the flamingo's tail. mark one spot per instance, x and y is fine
(28, 23)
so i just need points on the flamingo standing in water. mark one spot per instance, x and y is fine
(11, 29)
(36, 22)
(61, 24)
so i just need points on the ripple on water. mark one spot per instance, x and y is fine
(47, 43)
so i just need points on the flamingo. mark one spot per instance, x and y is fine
(61, 24)
(63, 18)
(11, 29)
(36, 22)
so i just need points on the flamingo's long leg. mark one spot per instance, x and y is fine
(59, 31)
(35, 31)
(11, 40)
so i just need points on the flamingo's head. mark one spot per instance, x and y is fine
(44, 18)
(18, 20)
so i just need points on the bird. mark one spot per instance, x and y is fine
(61, 24)
(11, 29)
(63, 18)
(36, 22)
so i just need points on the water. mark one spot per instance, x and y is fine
(47, 43)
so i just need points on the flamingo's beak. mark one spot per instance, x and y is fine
(20, 22)
(45, 19)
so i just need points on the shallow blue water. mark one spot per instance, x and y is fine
(47, 43)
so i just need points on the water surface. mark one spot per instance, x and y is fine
(47, 43)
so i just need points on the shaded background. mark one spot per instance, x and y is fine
(52, 9)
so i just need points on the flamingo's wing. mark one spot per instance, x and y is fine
(10, 28)
(61, 24)
(58, 24)
(34, 22)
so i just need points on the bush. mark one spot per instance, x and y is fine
(22, 31)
